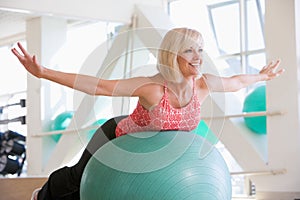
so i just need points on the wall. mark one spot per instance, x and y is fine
(283, 95)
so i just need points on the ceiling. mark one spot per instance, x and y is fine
(12, 23)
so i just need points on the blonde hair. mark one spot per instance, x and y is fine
(174, 41)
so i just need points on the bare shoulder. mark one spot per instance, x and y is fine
(153, 83)
(202, 81)
(152, 91)
(157, 78)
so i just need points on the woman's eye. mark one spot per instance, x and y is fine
(188, 51)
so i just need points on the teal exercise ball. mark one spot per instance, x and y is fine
(61, 122)
(203, 130)
(170, 165)
(255, 101)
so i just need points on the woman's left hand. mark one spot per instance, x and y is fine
(271, 70)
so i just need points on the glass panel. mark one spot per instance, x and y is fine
(186, 13)
(262, 5)
(13, 86)
(254, 27)
(87, 37)
(256, 62)
(81, 41)
(10, 81)
(235, 65)
(226, 22)
(229, 66)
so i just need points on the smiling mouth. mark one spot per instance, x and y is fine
(196, 65)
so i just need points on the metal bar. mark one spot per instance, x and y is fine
(17, 119)
(252, 114)
(245, 114)
(244, 197)
(71, 131)
(260, 173)
(242, 53)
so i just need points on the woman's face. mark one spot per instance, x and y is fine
(190, 60)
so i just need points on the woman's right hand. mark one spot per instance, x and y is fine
(29, 62)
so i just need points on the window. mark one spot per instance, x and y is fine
(82, 39)
(12, 89)
(238, 30)
(236, 27)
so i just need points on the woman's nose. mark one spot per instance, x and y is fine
(197, 55)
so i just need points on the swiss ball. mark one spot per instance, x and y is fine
(203, 130)
(61, 122)
(255, 101)
(170, 165)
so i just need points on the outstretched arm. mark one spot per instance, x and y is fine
(237, 82)
(87, 84)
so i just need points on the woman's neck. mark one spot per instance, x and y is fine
(183, 86)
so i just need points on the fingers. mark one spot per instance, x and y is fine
(273, 69)
(275, 65)
(272, 66)
(267, 66)
(34, 59)
(16, 53)
(23, 50)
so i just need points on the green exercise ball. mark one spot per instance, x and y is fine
(61, 122)
(170, 165)
(203, 130)
(255, 101)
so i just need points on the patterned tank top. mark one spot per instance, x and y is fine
(162, 117)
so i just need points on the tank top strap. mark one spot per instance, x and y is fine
(194, 87)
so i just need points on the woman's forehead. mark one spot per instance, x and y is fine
(193, 42)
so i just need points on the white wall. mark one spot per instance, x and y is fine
(282, 94)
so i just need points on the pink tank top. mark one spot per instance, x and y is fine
(162, 117)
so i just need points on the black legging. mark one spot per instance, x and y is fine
(64, 183)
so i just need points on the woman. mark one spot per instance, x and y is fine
(169, 100)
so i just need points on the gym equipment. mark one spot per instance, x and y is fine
(12, 152)
(22, 103)
(170, 165)
(203, 130)
(61, 122)
(256, 101)
(21, 119)
(8, 165)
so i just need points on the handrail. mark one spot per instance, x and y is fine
(68, 131)
(260, 173)
(244, 114)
